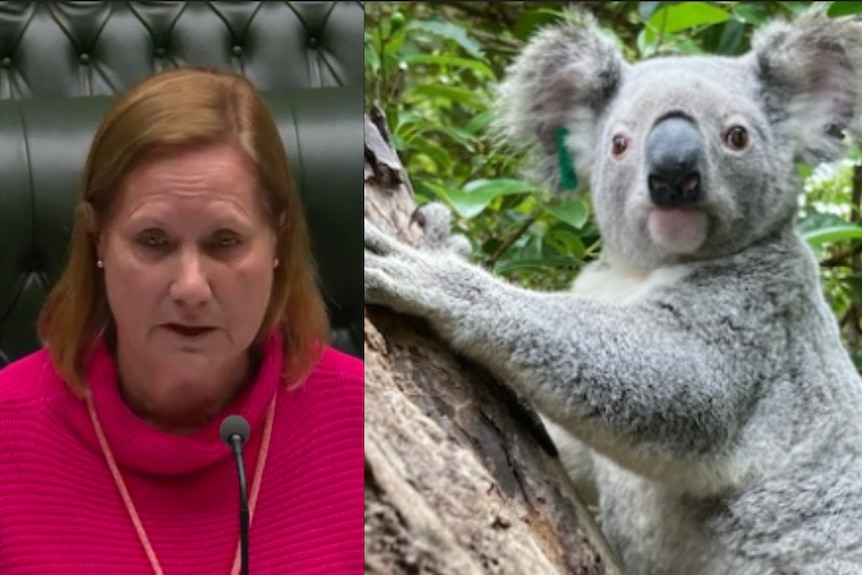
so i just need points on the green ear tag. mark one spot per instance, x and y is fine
(568, 177)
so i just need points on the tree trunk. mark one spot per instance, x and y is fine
(460, 476)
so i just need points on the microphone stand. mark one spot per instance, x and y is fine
(234, 432)
(236, 443)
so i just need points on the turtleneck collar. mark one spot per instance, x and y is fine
(139, 446)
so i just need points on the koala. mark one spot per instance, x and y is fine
(695, 371)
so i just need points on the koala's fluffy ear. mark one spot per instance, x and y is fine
(564, 77)
(811, 71)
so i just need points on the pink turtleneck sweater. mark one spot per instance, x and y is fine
(61, 512)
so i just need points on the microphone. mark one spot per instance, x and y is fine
(234, 431)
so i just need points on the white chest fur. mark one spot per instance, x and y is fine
(618, 283)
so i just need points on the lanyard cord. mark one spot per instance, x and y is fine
(130, 505)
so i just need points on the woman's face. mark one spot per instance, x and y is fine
(188, 261)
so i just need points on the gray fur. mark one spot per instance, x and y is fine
(708, 381)
(436, 222)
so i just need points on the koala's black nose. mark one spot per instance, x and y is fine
(673, 153)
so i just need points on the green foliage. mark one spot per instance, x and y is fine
(434, 73)
(433, 69)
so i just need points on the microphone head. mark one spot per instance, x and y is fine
(234, 425)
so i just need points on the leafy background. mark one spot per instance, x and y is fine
(433, 69)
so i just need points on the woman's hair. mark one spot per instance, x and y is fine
(171, 109)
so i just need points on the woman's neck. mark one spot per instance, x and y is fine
(177, 412)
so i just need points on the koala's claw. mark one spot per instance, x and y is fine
(374, 287)
(436, 222)
(377, 241)
(388, 265)
(409, 280)
(435, 219)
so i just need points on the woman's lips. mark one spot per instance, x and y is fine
(189, 330)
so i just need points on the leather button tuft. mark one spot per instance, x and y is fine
(312, 42)
(34, 264)
(6, 62)
(237, 50)
(161, 52)
(84, 58)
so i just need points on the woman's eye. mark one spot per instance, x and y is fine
(226, 242)
(152, 241)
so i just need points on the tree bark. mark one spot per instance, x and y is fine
(460, 476)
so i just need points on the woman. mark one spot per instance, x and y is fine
(189, 296)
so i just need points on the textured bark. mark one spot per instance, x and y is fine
(460, 475)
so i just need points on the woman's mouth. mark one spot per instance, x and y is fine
(189, 330)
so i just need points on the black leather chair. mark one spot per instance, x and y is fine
(60, 65)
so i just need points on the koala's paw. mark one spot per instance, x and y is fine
(397, 275)
(435, 219)
(424, 283)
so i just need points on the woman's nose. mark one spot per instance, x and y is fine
(190, 284)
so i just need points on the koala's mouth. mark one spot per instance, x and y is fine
(678, 230)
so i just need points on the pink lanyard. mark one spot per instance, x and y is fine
(130, 506)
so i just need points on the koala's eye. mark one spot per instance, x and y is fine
(736, 138)
(619, 145)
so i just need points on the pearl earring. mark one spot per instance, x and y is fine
(100, 264)
(275, 263)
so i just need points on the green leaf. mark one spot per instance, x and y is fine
(844, 8)
(572, 212)
(647, 9)
(480, 68)
(436, 153)
(372, 59)
(753, 13)
(683, 44)
(448, 31)
(687, 15)
(478, 194)
(457, 134)
(395, 42)
(812, 220)
(854, 283)
(832, 234)
(532, 20)
(500, 186)
(804, 171)
(560, 240)
(727, 39)
(460, 95)
(416, 131)
(437, 192)
(479, 123)
(647, 42)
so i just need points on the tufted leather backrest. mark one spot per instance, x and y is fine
(61, 61)
(92, 48)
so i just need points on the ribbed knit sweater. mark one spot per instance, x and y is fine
(61, 512)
